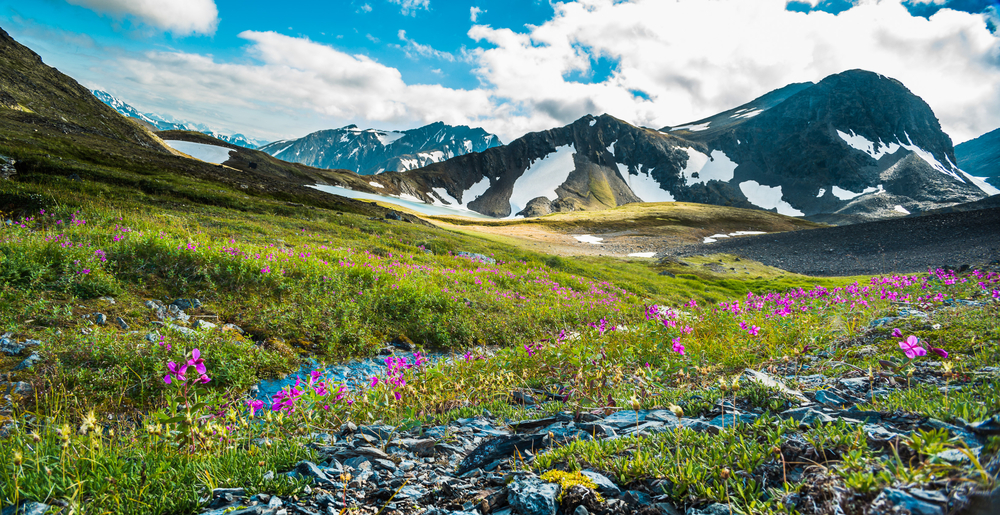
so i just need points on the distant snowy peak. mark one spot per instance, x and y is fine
(855, 146)
(374, 151)
(164, 123)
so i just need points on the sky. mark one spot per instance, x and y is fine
(277, 70)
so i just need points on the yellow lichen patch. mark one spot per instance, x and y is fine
(566, 480)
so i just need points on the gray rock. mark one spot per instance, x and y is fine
(358, 463)
(28, 362)
(806, 416)
(499, 447)
(384, 465)
(233, 327)
(17, 388)
(28, 508)
(712, 509)
(309, 469)
(581, 509)
(635, 498)
(121, 323)
(186, 331)
(989, 427)
(970, 439)
(830, 398)
(184, 304)
(100, 318)
(597, 430)
(623, 419)
(604, 485)
(665, 416)
(695, 424)
(532, 496)
(908, 502)
(383, 433)
(228, 510)
(478, 258)
(929, 496)
(203, 325)
(412, 492)
(772, 382)
(423, 447)
(10, 347)
(730, 420)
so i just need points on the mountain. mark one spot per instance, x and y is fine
(157, 122)
(981, 157)
(856, 146)
(373, 151)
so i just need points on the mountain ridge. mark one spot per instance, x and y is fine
(980, 157)
(373, 151)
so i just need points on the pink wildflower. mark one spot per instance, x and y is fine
(911, 347)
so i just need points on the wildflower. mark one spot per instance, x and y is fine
(197, 362)
(375, 379)
(204, 379)
(896, 333)
(176, 372)
(255, 406)
(940, 352)
(911, 347)
(678, 348)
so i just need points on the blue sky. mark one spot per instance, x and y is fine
(275, 70)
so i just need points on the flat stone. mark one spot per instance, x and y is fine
(624, 418)
(203, 325)
(712, 509)
(772, 382)
(990, 426)
(662, 415)
(100, 318)
(309, 469)
(28, 362)
(532, 496)
(604, 485)
(830, 398)
(121, 323)
(729, 420)
(909, 502)
(10, 347)
(500, 447)
(929, 496)
(412, 492)
(423, 447)
(970, 439)
(806, 416)
(28, 508)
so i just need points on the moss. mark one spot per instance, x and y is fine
(566, 480)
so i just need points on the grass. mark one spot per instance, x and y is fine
(309, 277)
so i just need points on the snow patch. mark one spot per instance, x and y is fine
(746, 233)
(929, 158)
(208, 153)
(586, 238)
(542, 178)
(282, 150)
(768, 198)
(411, 198)
(747, 113)
(719, 236)
(843, 194)
(645, 186)
(717, 167)
(375, 184)
(692, 127)
(611, 147)
(901, 209)
(822, 191)
(386, 138)
(475, 191)
(418, 206)
(593, 122)
(980, 182)
(863, 144)
(642, 254)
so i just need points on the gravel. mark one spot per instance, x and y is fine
(911, 244)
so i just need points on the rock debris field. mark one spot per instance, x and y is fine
(911, 244)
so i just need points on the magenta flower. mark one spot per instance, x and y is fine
(678, 348)
(940, 352)
(896, 333)
(176, 372)
(314, 376)
(204, 379)
(398, 396)
(197, 362)
(255, 405)
(374, 381)
(911, 347)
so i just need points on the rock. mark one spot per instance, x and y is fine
(423, 447)
(712, 509)
(393, 215)
(28, 362)
(772, 382)
(383, 433)
(988, 427)
(412, 492)
(234, 328)
(806, 416)
(203, 325)
(185, 304)
(309, 469)
(830, 398)
(604, 485)
(532, 496)
(730, 420)
(16, 388)
(635, 498)
(929, 496)
(970, 439)
(121, 323)
(499, 447)
(186, 331)
(100, 318)
(623, 419)
(538, 206)
(478, 258)
(7, 170)
(10, 347)
(908, 502)
(580, 510)
(28, 508)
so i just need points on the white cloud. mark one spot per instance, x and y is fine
(413, 49)
(177, 16)
(410, 7)
(474, 13)
(694, 58)
(365, 8)
(296, 76)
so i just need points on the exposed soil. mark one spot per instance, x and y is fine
(911, 244)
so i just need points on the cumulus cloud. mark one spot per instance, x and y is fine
(295, 75)
(410, 7)
(414, 49)
(177, 16)
(692, 58)
(474, 13)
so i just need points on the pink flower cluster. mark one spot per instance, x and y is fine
(178, 372)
